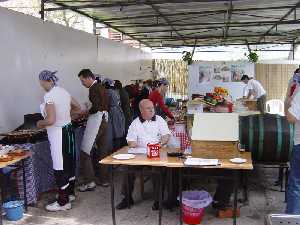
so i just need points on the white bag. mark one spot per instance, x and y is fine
(91, 131)
(174, 142)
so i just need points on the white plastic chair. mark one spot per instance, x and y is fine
(275, 106)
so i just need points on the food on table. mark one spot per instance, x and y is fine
(23, 133)
(17, 152)
(5, 158)
(4, 149)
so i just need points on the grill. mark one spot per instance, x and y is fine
(28, 132)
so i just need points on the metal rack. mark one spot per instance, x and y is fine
(282, 219)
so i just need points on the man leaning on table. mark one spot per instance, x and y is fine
(147, 128)
(255, 90)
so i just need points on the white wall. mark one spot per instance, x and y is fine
(29, 45)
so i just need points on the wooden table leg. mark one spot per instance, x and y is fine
(24, 185)
(1, 202)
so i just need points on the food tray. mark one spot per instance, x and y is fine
(20, 134)
(6, 158)
(17, 152)
(282, 219)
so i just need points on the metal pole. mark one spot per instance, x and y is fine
(112, 194)
(160, 195)
(94, 27)
(236, 178)
(293, 50)
(180, 195)
(42, 12)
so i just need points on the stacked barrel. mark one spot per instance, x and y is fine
(269, 137)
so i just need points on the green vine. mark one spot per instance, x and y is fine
(187, 57)
(252, 55)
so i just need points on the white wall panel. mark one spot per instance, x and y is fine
(29, 45)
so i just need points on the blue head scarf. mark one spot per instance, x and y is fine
(108, 82)
(47, 75)
(296, 78)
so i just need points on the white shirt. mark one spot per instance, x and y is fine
(256, 87)
(147, 131)
(245, 91)
(62, 102)
(295, 111)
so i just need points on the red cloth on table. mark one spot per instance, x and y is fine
(182, 135)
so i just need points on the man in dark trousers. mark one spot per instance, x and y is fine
(94, 143)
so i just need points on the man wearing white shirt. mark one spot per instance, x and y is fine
(293, 190)
(256, 90)
(147, 128)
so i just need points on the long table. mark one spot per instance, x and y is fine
(39, 170)
(16, 160)
(174, 162)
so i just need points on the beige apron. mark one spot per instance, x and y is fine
(91, 131)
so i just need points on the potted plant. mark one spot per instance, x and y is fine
(252, 57)
(187, 57)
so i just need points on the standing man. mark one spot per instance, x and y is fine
(292, 112)
(256, 90)
(94, 143)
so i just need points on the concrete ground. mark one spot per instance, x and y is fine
(93, 208)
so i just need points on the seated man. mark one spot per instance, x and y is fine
(147, 128)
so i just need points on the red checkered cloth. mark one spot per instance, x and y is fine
(179, 131)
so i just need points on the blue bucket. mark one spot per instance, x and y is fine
(14, 210)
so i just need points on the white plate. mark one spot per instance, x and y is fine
(238, 160)
(123, 156)
(6, 149)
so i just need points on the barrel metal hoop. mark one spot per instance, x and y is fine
(279, 137)
(261, 138)
(251, 134)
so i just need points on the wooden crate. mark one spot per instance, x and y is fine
(251, 104)
(213, 149)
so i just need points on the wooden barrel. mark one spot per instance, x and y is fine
(269, 137)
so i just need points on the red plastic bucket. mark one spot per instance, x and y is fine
(191, 215)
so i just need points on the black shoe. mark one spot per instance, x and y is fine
(170, 205)
(155, 206)
(124, 204)
(219, 206)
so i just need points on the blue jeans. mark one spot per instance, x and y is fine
(293, 191)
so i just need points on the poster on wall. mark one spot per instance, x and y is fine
(203, 76)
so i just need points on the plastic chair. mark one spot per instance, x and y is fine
(275, 106)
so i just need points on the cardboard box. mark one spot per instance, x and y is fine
(211, 149)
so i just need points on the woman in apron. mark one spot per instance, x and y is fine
(156, 96)
(56, 110)
(116, 123)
